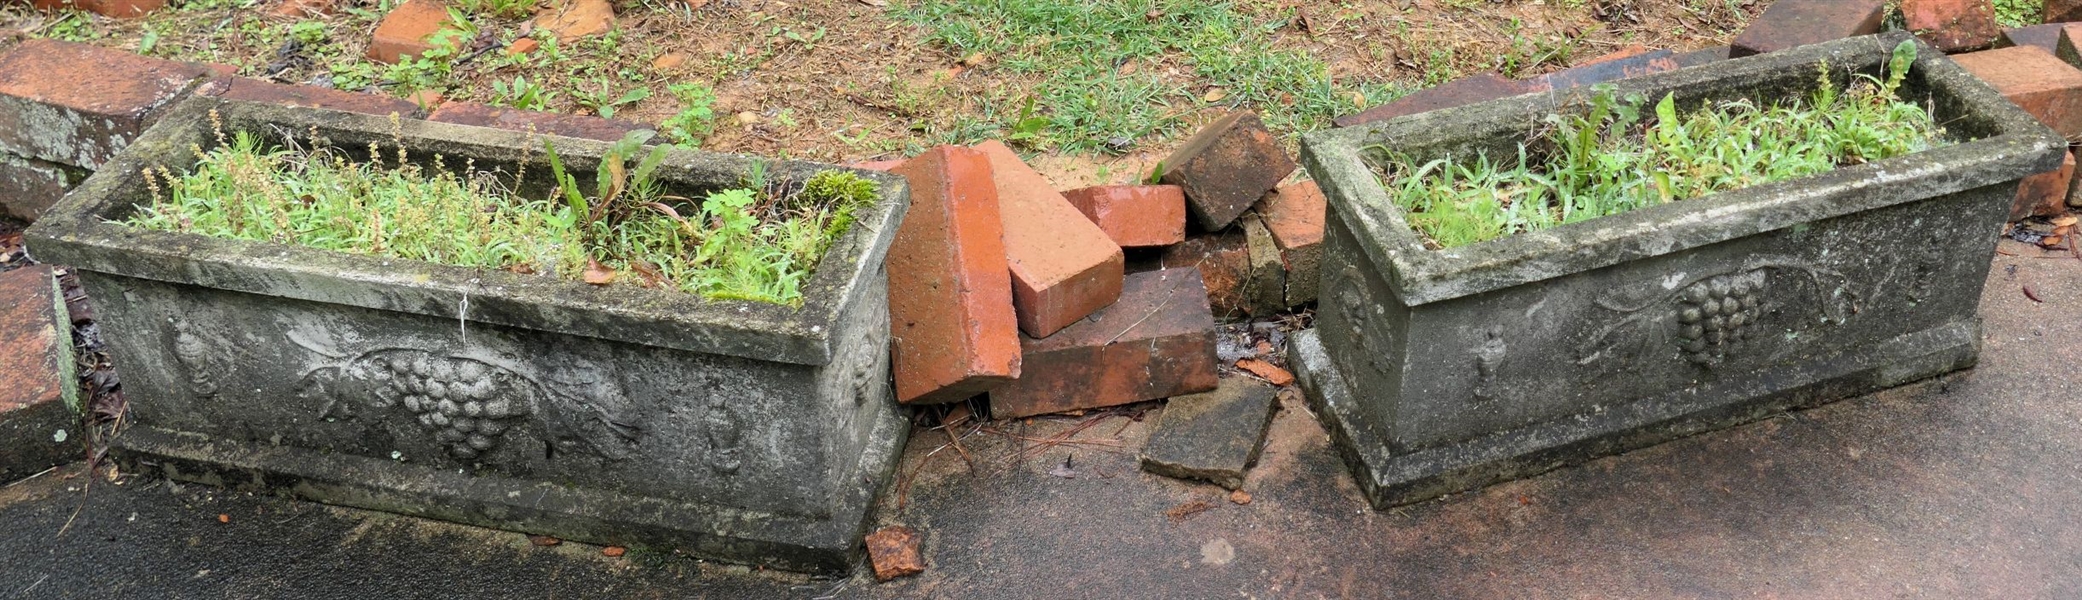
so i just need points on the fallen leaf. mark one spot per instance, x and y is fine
(613, 551)
(1270, 372)
(1215, 95)
(544, 541)
(2034, 296)
(2065, 220)
(747, 118)
(1187, 510)
(598, 274)
(1153, 15)
(974, 59)
(1359, 99)
(1240, 497)
(874, 3)
(1264, 347)
(2050, 241)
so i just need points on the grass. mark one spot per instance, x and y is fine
(1614, 158)
(750, 243)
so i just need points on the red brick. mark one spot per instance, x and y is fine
(1226, 167)
(1064, 268)
(38, 427)
(514, 119)
(408, 30)
(1265, 288)
(1469, 90)
(2034, 80)
(1157, 342)
(75, 104)
(893, 551)
(950, 290)
(877, 165)
(2065, 44)
(255, 90)
(1224, 263)
(1952, 25)
(299, 9)
(121, 9)
(1701, 56)
(1622, 53)
(1294, 215)
(1789, 23)
(29, 186)
(2062, 11)
(2046, 35)
(1135, 216)
(1605, 70)
(2045, 193)
(574, 19)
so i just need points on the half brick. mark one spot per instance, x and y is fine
(1952, 25)
(1225, 168)
(1265, 290)
(1294, 215)
(2044, 194)
(2034, 80)
(1064, 268)
(121, 9)
(1135, 216)
(952, 331)
(1157, 342)
(1789, 23)
(76, 104)
(546, 123)
(39, 426)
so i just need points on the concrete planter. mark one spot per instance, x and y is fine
(743, 431)
(1442, 371)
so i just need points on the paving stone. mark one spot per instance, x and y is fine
(2034, 80)
(1294, 214)
(1064, 268)
(121, 9)
(38, 426)
(1622, 65)
(1467, 90)
(1215, 436)
(1789, 23)
(950, 301)
(76, 104)
(575, 19)
(1952, 25)
(255, 90)
(29, 186)
(1157, 342)
(2065, 42)
(2045, 35)
(2046, 193)
(1224, 262)
(2062, 11)
(893, 551)
(1135, 216)
(408, 30)
(1226, 167)
(1265, 289)
(545, 123)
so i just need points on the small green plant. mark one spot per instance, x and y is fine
(1614, 158)
(310, 33)
(697, 115)
(2019, 13)
(497, 9)
(1029, 127)
(521, 94)
(603, 102)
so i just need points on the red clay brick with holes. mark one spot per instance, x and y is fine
(950, 291)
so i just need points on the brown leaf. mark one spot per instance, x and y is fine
(544, 540)
(1214, 95)
(652, 277)
(2050, 241)
(1272, 373)
(874, 3)
(1187, 510)
(2065, 220)
(1240, 497)
(1301, 21)
(613, 551)
(2033, 295)
(1153, 15)
(598, 274)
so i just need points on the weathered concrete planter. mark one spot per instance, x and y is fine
(1442, 371)
(737, 430)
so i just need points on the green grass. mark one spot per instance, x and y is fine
(751, 243)
(1614, 158)
(2019, 13)
(1080, 50)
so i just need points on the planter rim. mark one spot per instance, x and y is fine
(1419, 275)
(75, 232)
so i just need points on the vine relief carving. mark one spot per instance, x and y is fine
(1715, 318)
(1356, 311)
(193, 354)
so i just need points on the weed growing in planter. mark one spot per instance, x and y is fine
(1613, 158)
(757, 242)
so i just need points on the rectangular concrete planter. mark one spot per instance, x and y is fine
(1442, 371)
(742, 431)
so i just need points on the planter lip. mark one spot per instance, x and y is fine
(75, 232)
(1419, 275)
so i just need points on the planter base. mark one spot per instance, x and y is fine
(1389, 478)
(785, 541)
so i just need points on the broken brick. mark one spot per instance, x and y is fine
(39, 428)
(121, 9)
(2062, 11)
(1157, 342)
(1952, 25)
(299, 9)
(2046, 35)
(893, 551)
(1467, 90)
(1265, 289)
(1224, 263)
(1789, 23)
(1064, 268)
(408, 30)
(1225, 168)
(76, 104)
(1215, 436)
(577, 18)
(950, 303)
(545, 123)
(2044, 194)
(877, 165)
(1294, 215)
(28, 187)
(1606, 69)
(1135, 216)
(2035, 81)
(2065, 44)
(255, 90)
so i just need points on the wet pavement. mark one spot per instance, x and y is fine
(1963, 486)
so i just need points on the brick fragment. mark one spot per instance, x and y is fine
(1157, 342)
(2065, 45)
(1265, 289)
(29, 186)
(1224, 263)
(408, 30)
(2045, 193)
(1952, 25)
(1630, 51)
(1789, 23)
(1606, 69)
(545, 123)
(2034, 80)
(76, 104)
(877, 165)
(2046, 35)
(1064, 268)
(1225, 168)
(2062, 11)
(1215, 436)
(121, 9)
(39, 428)
(299, 9)
(575, 19)
(893, 551)
(1135, 216)
(255, 90)
(1272, 373)
(1466, 90)
(950, 303)
(1294, 215)
(522, 46)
